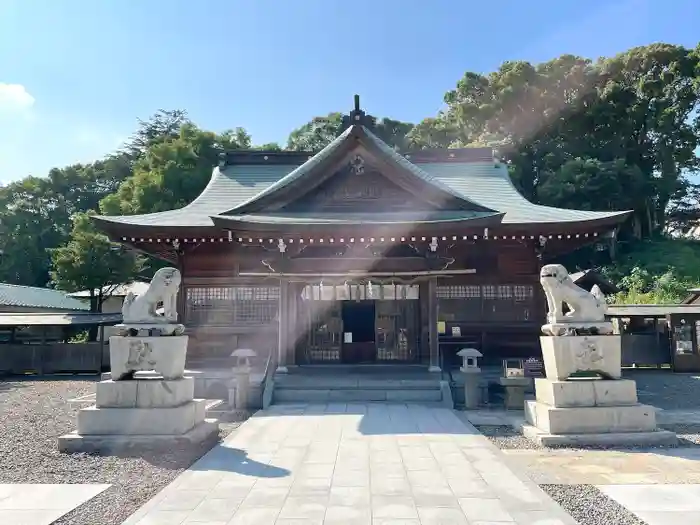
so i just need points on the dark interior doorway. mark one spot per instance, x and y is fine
(359, 320)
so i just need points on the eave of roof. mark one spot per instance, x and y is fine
(651, 310)
(58, 319)
(404, 221)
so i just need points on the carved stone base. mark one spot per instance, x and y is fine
(567, 329)
(150, 329)
(143, 412)
(567, 355)
(165, 355)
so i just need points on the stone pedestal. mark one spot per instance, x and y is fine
(165, 355)
(151, 412)
(239, 390)
(593, 354)
(472, 390)
(515, 391)
(588, 411)
(157, 410)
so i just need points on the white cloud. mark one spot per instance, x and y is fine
(14, 98)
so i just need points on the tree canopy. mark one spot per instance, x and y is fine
(608, 134)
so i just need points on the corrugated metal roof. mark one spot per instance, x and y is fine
(484, 183)
(651, 310)
(121, 290)
(58, 319)
(32, 297)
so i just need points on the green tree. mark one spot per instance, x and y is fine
(320, 131)
(35, 214)
(171, 173)
(90, 261)
(315, 134)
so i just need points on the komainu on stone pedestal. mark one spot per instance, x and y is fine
(584, 400)
(153, 410)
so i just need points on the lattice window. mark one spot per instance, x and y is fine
(256, 304)
(489, 291)
(523, 292)
(458, 292)
(232, 305)
(505, 291)
(209, 306)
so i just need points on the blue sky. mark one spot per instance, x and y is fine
(76, 74)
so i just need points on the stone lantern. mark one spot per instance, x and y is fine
(472, 376)
(238, 392)
(469, 359)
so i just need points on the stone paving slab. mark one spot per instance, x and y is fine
(336, 463)
(42, 504)
(659, 504)
(603, 467)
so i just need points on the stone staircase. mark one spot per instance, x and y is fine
(357, 384)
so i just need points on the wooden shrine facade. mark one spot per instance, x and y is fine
(359, 254)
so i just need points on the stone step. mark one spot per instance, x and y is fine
(323, 395)
(325, 383)
(112, 444)
(653, 438)
(142, 421)
(590, 420)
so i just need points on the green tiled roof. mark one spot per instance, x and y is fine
(485, 183)
(31, 297)
(489, 184)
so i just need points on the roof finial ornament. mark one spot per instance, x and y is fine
(357, 117)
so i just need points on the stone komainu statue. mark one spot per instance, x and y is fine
(143, 309)
(584, 306)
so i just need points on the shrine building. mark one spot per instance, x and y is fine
(361, 254)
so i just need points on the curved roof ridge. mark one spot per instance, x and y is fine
(215, 176)
(503, 173)
(491, 186)
(416, 170)
(297, 172)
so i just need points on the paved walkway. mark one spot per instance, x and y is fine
(659, 504)
(42, 504)
(373, 464)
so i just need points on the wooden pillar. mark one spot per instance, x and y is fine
(292, 323)
(283, 342)
(432, 326)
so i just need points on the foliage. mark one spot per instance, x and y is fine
(35, 214)
(89, 261)
(612, 134)
(172, 172)
(641, 287)
(556, 123)
(320, 131)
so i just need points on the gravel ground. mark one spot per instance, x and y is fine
(506, 437)
(666, 390)
(35, 412)
(688, 435)
(589, 506)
